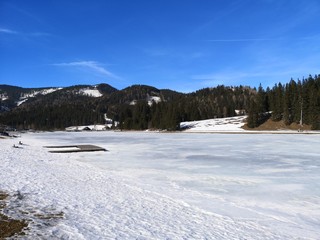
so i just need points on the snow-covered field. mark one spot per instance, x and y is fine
(233, 124)
(165, 185)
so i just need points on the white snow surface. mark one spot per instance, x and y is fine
(97, 127)
(3, 96)
(150, 100)
(26, 96)
(233, 124)
(84, 91)
(153, 99)
(166, 185)
(21, 101)
(90, 92)
(41, 92)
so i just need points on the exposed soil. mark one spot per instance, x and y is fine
(9, 226)
(28, 217)
(270, 125)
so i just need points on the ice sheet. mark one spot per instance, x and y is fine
(171, 185)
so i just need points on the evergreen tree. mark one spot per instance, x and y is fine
(253, 114)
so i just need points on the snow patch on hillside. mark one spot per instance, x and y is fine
(3, 96)
(22, 101)
(108, 120)
(41, 92)
(153, 99)
(233, 124)
(150, 100)
(90, 92)
(133, 102)
(24, 97)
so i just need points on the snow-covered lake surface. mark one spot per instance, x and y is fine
(166, 185)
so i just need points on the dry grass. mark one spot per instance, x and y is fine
(270, 125)
(27, 217)
(10, 227)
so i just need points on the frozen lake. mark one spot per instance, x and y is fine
(271, 180)
(266, 177)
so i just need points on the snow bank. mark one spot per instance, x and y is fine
(97, 127)
(230, 125)
(233, 124)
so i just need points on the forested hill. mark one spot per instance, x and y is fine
(144, 107)
(293, 102)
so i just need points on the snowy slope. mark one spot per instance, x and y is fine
(153, 99)
(192, 186)
(150, 100)
(3, 96)
(26, 96)
(90, 92)
(233, 124)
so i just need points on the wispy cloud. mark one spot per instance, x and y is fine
(260, 39)
(7, 31)
(156, 52)
(24, 12)
(89, 65)
(268, 75)
(39, 34)
(226, 77)
(243, 40)
(24, 34)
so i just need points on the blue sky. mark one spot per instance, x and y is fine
(181, 45)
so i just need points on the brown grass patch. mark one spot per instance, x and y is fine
(17, 218)
(9, 226)
(271, 125)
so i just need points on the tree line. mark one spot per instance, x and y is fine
(62, 109)
(203, 104)
(283, 102)
(293, 102)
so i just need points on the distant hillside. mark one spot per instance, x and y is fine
(134, 107)
(12, 96)
(145, 107)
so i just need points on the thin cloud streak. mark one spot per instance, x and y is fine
(156, 52)
(244, 40)
(91, 65)
(23, 34)
(268, 76)
(25, 13)
(7, 31)
(39, 34)
(260, 39)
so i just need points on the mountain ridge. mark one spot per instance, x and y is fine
(135, 107)
(139, 107)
